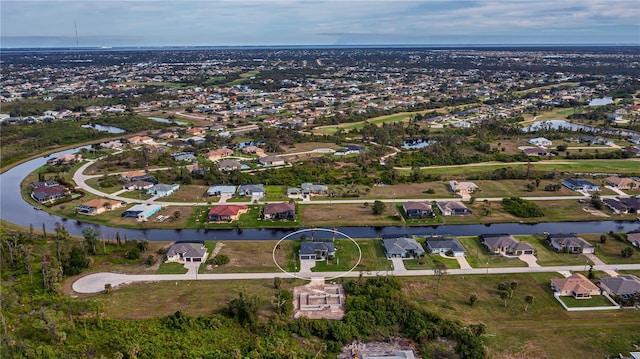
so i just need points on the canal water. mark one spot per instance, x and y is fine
(15, 210)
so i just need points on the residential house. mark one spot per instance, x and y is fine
(113, 145)
(596, 140)
(187, 252)
(215, 155)
(402, 248)
(634, 238)
(183, 156)
(163, 190)
(137, 185)
(632, 204)
(349, 150)
(445, 246)
(229, 165)
(570, 243)
(142, 212)
(316, 250)
(622, 182)
(49, 192)
(503, 243)
(624, 286)
(579, 184)
(253, 150)
(540, 141)
(463, 187)
(282, 210)
(256, 191)
(137, 140)
(536, 151)
(270, 161)
(576, 285)
(221, 190)
(98, 206)
(226, 213)
(314, 189)
(195, 131)
(67, 159)
(615, 205)
(453, 208)
(133, 176)
(167, 135)
(417, 209)
(196, 140)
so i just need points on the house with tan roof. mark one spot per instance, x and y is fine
(282, 210)
(576, 285)
(67, 159)
(622, 182)
(98, 206)
(215, 155)
(464, 188)
(136, 140)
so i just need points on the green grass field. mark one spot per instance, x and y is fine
(171, 268)
(594, 301)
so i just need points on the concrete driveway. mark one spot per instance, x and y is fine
(462, 262)
(597, 261)
(398, 265)
(530, 259)
(306, 265)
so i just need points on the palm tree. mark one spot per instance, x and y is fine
(504, 295)
(528, 299)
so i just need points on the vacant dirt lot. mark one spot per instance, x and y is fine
(348, 214)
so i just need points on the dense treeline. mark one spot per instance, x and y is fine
(521, 207)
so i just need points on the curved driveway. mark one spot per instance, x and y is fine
(94, 283)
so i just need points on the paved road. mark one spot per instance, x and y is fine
(94, 283)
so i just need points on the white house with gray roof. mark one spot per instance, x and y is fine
(503, 243)
(443, 246)
(187, 252)
(625, 286)
(402, 248)
(570, 243)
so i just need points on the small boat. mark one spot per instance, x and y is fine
(37, 208)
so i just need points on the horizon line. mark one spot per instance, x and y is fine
(106, 47)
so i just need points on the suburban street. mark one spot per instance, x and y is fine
(80, 179)
(94, 283)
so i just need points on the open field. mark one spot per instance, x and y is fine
(410, 190)
(335, 215)
(622, 166)
(610, 251)
(93, 183)
(544, 331)
(253, 256)
(190, 193)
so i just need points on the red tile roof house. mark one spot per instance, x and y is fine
(577, 286)
(282, 210)
(226, 213)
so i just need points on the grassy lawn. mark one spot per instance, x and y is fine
(93, 183)
(478, 256)
(609, 252)
(518, 188)
(412, 190)
(547, 256)
(346, 215)
(346, 257)
(628, 166)
(252, 256)
(276, 193)
(171, 268)
(594, 301)
(191, 193)
(251, 219)
(196, 298)
(411, 221)
(428, 262)
(137, 194)
(543, 331)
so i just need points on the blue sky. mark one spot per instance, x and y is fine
(27, 23)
